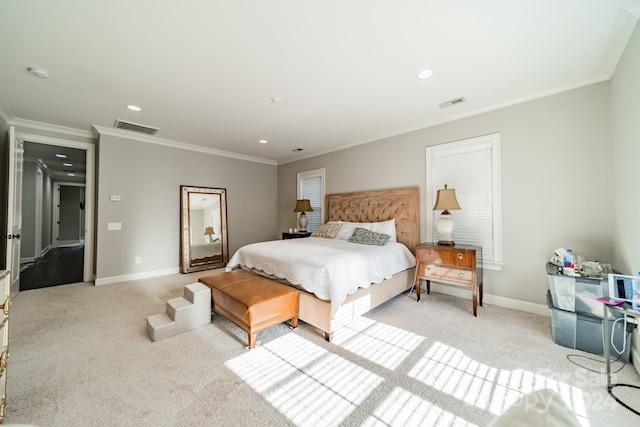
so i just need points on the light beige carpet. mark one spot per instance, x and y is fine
(80, 356)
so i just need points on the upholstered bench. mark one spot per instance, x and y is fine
(252, 302)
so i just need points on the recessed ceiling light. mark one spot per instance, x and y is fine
(67, 164)
(62, 156)
(71, 174)
(425, 74)
(263, 141)
(39, 72)
(134, 107)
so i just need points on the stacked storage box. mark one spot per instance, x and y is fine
(635, 350)
(577, 318)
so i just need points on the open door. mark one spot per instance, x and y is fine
(14, 207)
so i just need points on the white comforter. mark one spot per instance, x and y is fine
(329, 268)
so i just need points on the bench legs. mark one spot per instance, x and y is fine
(253, 336)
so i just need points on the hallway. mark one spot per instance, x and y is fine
(59, 266)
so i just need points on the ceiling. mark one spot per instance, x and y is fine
(314, 75)
(70, 168)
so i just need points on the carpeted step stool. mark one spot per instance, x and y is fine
(182, 314)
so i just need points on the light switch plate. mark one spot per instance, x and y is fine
(114, 226)
(115, 197)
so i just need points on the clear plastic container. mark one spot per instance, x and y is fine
(635, 302)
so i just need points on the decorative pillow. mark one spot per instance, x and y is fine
(386, 227)
(368, 237)
(347, 228)
(327, 231)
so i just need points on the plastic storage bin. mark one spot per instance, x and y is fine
(577, 294)
(584, 332)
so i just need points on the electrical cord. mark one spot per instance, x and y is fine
(610, 387)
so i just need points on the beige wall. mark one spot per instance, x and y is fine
(148, 178)
(625, 87)
(557, 177)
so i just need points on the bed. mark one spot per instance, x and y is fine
(206, 250)
(400, 205)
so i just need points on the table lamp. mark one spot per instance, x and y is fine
(445, 201)
(303, 206)
(208, 231)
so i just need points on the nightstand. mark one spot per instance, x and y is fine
(451, 265)
(297, 235)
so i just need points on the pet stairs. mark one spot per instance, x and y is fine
(182, 314)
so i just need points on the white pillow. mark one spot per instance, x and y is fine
(386, 227)
(347, 228)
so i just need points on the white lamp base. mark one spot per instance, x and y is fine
(445, 229)
(302, 222)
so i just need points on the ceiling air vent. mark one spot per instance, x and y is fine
(135, 127)
(452, 102)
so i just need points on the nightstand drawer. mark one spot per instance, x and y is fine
(459, 265)
(444, 273)
(448, 256)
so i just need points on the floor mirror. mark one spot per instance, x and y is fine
(203, 232)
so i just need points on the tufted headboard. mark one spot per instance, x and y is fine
(403, 204)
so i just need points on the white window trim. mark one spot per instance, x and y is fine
(310, 174)
(494, 140)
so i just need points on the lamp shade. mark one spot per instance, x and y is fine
(208, 231)
(446, 200)
(303, 205)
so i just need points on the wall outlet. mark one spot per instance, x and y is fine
(138, 260)
(114, 226)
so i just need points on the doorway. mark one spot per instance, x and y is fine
(55, 245)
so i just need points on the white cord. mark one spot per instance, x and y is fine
(624, 335)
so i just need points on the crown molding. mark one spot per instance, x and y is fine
(100, 130)
(623, 26)
(47, 127)
(5, 115)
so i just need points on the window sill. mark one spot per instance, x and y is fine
(492, 265)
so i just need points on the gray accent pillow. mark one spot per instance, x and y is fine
(327, 231)
(368, 237)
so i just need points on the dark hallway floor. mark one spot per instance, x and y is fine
(59, 266)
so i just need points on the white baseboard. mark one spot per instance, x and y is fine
(136, 276)
(489, 299)
(70, 243)
(27, 259)
(45, 250)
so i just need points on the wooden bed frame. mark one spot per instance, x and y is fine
(403, 204)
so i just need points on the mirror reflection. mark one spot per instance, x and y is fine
(203, 228)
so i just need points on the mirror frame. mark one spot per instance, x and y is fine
(187, 264)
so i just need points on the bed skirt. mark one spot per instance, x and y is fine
(317, 312)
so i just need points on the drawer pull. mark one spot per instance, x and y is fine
(3, 360)
(460, 275)
(460, 256)
(5, 306)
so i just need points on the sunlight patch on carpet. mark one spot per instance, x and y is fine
(449, 370)
(402, 408)
(382, 344)
(305, 382)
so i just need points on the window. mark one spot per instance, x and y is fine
(472, 167)
(311, 186)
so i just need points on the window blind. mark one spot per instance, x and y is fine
(311, 188)
(469, 170)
